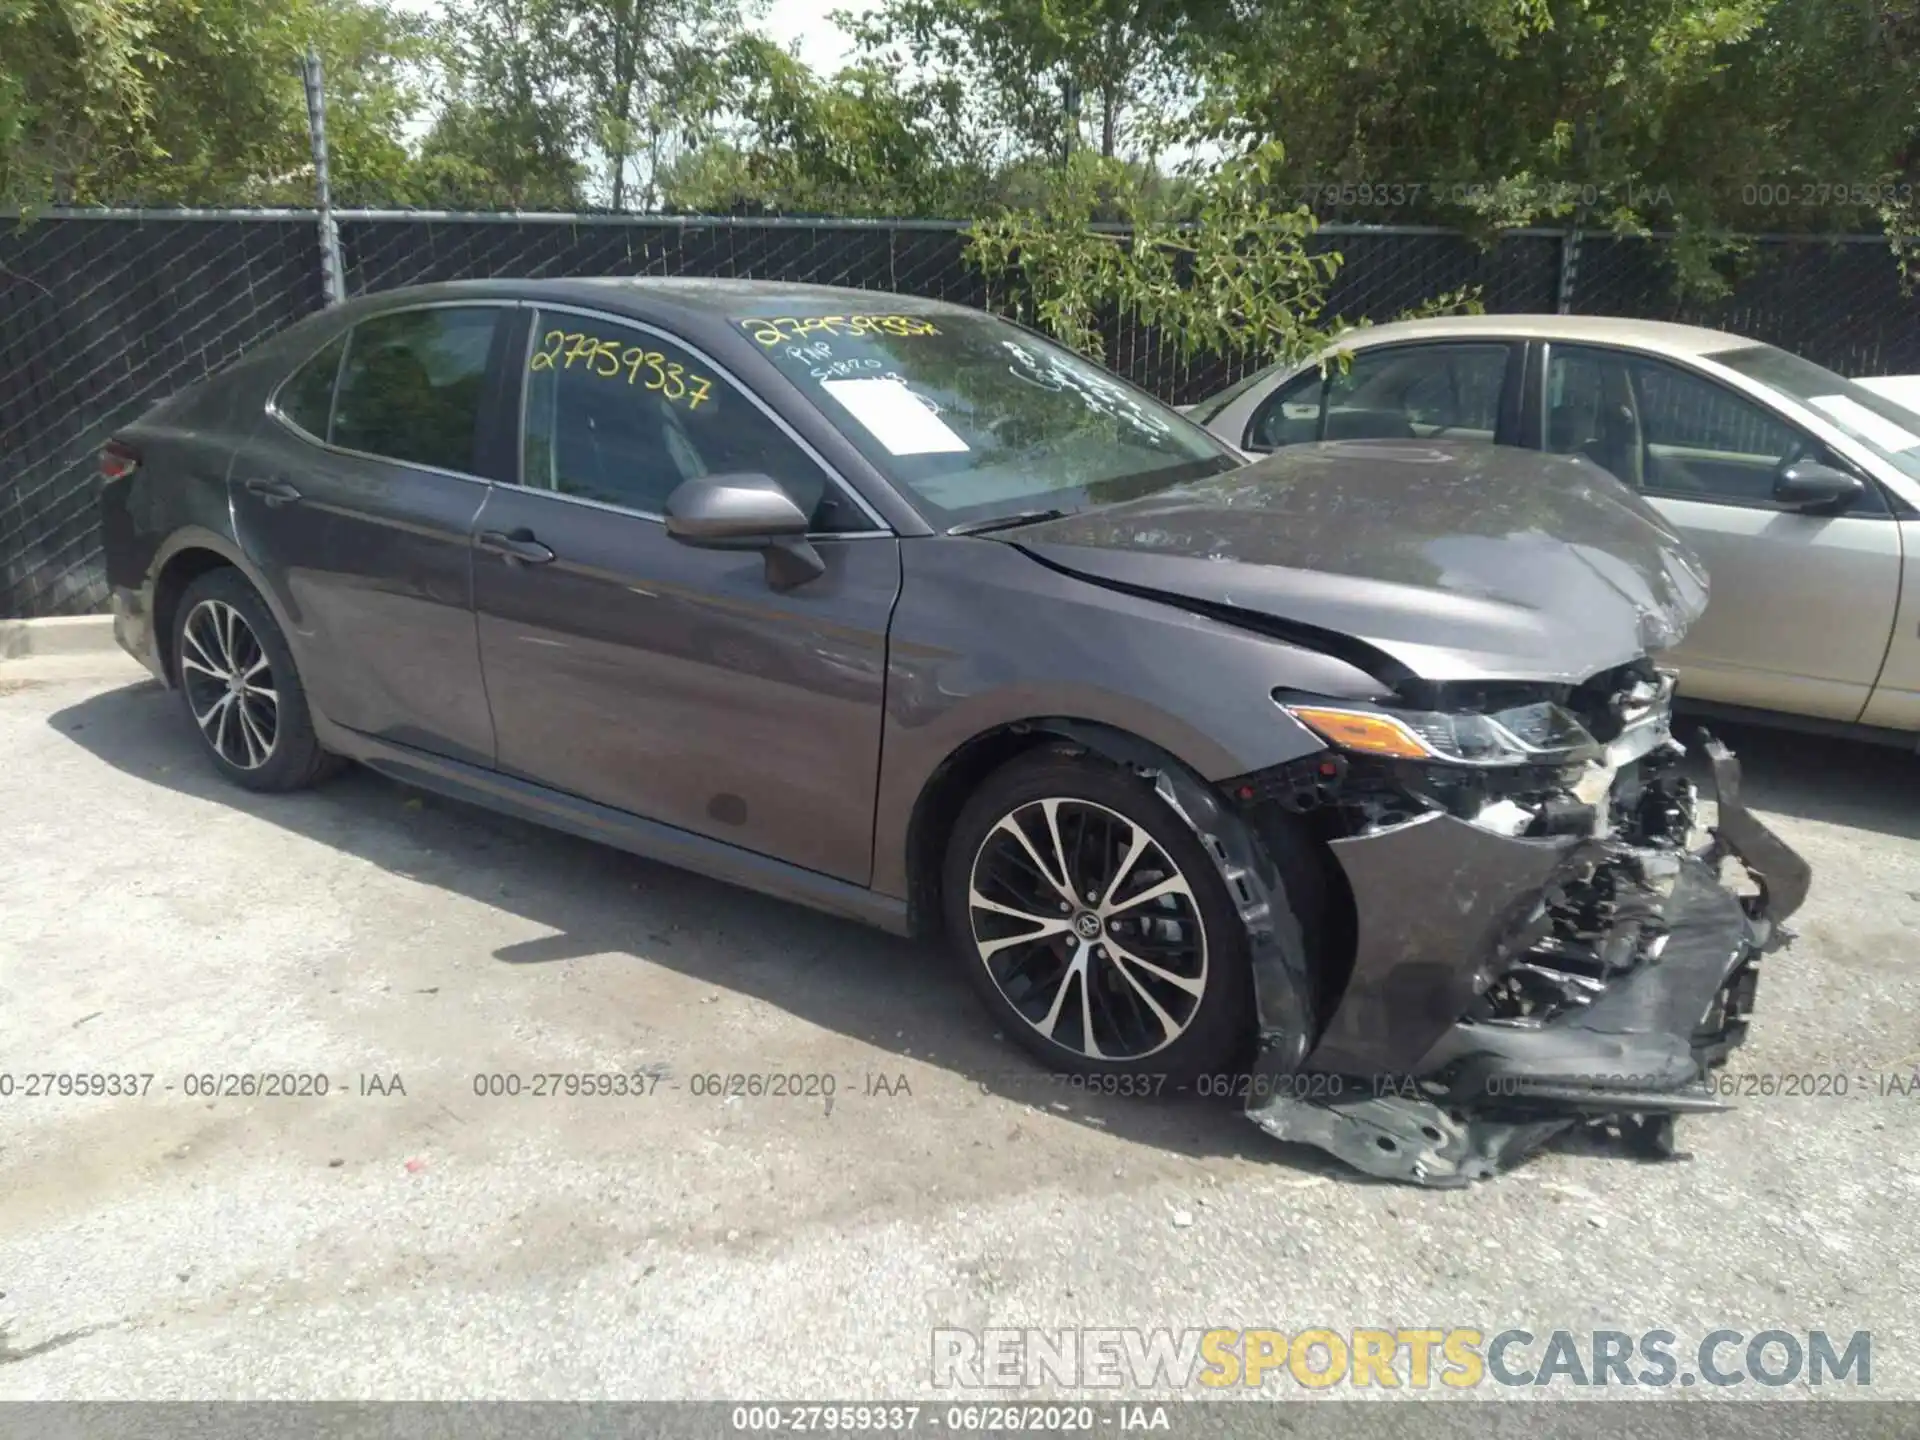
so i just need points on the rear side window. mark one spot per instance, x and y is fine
(307, 397)
(412, 384)
(1403, 392)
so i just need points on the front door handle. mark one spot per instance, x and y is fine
(274, 492)
(517, 548)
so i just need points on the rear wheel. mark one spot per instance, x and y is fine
(240, 685)
(1094, 924)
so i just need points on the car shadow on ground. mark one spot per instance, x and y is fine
(896, 995)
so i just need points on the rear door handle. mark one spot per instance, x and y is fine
(274, 492)
(518, 548)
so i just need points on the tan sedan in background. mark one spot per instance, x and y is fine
(1800, 489)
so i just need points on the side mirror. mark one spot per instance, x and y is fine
(732, 512)
(1809, 486)
(746, 512)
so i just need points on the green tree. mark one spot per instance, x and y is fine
(1045, 75)
(652, 74)
(74, 93)
(860, 143)
(1625, 113)
(197, 101)
(561, 103)
(508, 135)
(1233, 272)
(1220, 268)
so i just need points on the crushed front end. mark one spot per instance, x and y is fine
(1536, 942)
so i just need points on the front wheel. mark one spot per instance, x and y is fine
(1094, 924)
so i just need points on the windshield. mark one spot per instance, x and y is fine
(1204, 410)
(1890, 430)
(977, 418)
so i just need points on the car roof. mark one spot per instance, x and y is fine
(1597, 329)
(643, 295)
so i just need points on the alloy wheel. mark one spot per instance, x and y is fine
(229, 684)
(1088, 928)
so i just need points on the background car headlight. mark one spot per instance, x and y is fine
(1541, 733)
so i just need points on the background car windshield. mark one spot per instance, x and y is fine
(1889, 430)
(1204, 410)
(978, 418)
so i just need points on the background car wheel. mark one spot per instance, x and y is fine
(1095, 925)
(238, 680)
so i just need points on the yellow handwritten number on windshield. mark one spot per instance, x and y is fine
(776, 330)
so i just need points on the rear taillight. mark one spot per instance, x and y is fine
(117, 461)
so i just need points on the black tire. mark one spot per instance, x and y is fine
(1215, 1034)
(293, 759)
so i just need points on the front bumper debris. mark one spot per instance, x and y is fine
(1418, 1077)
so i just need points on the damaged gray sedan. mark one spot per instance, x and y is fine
(1345, 776)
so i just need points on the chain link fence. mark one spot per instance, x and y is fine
(1837, 300)
(103, 314)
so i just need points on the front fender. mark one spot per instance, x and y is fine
(985, 637)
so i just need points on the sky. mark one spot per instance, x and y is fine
(823, 45)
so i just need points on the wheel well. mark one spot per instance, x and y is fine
(180, 571)
(957, 777)
(1297, 849)
(962, 772)
(1319, 893)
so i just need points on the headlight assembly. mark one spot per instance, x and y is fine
(1541, 733)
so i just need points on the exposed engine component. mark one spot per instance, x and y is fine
(1606, 921)
(1600, 925)
(1598, 992)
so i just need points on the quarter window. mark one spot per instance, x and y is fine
(1289, 416)
(307, 397)
(622, 416)
(412, 385)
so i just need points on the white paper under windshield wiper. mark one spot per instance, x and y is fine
(1007, 522)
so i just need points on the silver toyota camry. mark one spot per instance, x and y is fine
(1800, 489)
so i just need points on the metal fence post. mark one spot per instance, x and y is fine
(332, 277)
(1569, 268)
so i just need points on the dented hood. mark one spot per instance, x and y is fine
(1458, 560)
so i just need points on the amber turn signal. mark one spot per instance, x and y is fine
(1362, 730)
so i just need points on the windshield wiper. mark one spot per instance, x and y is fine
(1007, 522)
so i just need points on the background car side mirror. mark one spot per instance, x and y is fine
(746, 512)
(1808, 485)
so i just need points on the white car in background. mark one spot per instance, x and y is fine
(1901, 389)
(1800, 489)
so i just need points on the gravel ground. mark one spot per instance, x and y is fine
(404, 1237)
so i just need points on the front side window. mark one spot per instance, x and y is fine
(411, 388)
(975, 418)
(306, 398)
(623, 416)
(1398, 392)
(1667, 430)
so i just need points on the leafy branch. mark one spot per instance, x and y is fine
(1218, 269)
